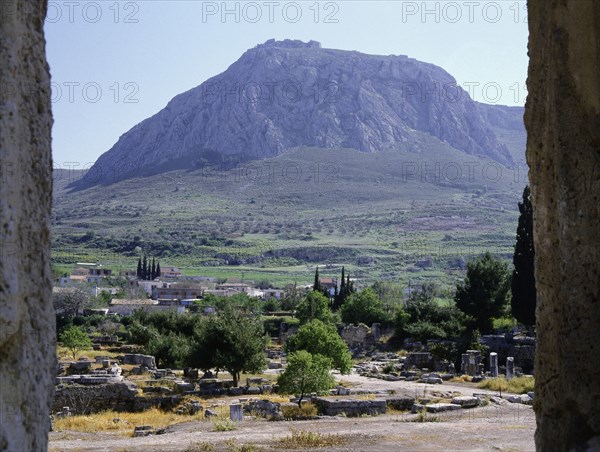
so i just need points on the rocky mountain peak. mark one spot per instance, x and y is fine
(285, 94)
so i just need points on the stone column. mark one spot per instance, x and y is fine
(494, 364)
(510, 367)
(464, 364)
(235, 412)
(562, 117)
(474, 358)
(27, 334)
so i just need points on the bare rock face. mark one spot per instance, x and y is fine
(563, 151)
(284, 94)
(27, 343)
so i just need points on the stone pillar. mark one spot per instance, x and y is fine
(464, 364)
(235, 412)
(494, 364)
(510, 367)
(562, 117)
(27, 333)
(480, 369)
(473, 359)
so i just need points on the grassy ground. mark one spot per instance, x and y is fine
(278, 218)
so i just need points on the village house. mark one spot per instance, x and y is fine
(177, 292)
(170, 272)
(96, 291)
(238, 287)
(329, 285)
(126, 307)
(221, 292)
(273, 293)
(98, 271)
(128, 274)
(149, 286)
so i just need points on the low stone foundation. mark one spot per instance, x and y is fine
(349, 407)
(86, 399)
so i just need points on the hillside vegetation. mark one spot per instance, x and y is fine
(378, 214)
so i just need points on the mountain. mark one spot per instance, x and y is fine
(288, 94)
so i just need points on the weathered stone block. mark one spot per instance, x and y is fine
(350, 407)
(400, 403)
(466, 401)
(441, 407)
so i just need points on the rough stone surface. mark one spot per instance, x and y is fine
(400, 403)
(466, 401)
(143, 360)
(91, 399)
(441, 407)
(388, 89)
(27, 363)
(264, 408)
(563, 152)
(349, 407)
(119, 396)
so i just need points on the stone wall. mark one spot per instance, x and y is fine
(85, 399)
(563, 152)
(349, 407)
(27, 343)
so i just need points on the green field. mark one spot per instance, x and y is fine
(377, 214)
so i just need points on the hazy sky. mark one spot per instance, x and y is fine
(114, 64)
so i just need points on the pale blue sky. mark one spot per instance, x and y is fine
(114, 64)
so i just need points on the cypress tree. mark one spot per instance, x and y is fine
(157, 269)
(153, 271)
(524, 296)
(145, 268)
(341, 296)
(317, 283)
(139, 268)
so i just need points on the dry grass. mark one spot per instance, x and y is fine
(461, 379)
(122, 422)
(300, 439)
(365, 396)
(293, 411)
(517, 385)
(275, 398)
(65, 355)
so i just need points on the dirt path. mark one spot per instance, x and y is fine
(493, 427)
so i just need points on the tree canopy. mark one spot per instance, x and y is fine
(70, 301)
(314, 306)
(319, 338)
(306, 373)
(230, 341)
(483, 295)
(365, 307)
(76, 340)
(423, 318)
